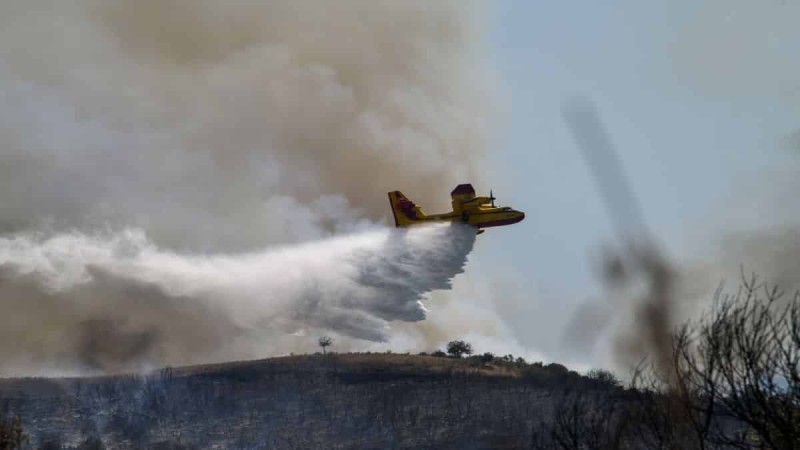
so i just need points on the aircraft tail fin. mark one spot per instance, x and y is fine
(405, 212)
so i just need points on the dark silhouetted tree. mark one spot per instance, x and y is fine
(324, 342)
(743, 359)
(735, 376)
(457, 349)
(591, 421)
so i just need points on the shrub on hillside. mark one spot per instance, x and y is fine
(603, 376)
(556, 368)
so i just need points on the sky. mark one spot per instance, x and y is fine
(699, 101)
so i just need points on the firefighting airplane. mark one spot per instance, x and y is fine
(479, 212)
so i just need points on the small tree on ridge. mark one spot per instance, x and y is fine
(459, 348)
(325, 341)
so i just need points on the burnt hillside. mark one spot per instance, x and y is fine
(312, 401)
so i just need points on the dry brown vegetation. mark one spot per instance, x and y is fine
(306, 401)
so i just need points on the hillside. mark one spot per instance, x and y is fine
(309, 401)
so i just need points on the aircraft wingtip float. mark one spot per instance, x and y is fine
(480, 212)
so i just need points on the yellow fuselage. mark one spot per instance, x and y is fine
(480, 217)
(467, 208)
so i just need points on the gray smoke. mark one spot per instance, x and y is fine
(640, 279)
(143, 141)
(739, 49)
(742, 53)
(648, 294)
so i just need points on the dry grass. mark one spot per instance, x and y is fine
(378, 363)
(362, 362)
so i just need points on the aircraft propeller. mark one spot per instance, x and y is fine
(491, 198)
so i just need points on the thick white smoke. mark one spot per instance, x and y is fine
(118, 301)
(224, 128)
(219, 125)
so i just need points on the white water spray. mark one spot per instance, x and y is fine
(117, 301)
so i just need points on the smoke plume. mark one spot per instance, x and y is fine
(153, 153)
(225, 125)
